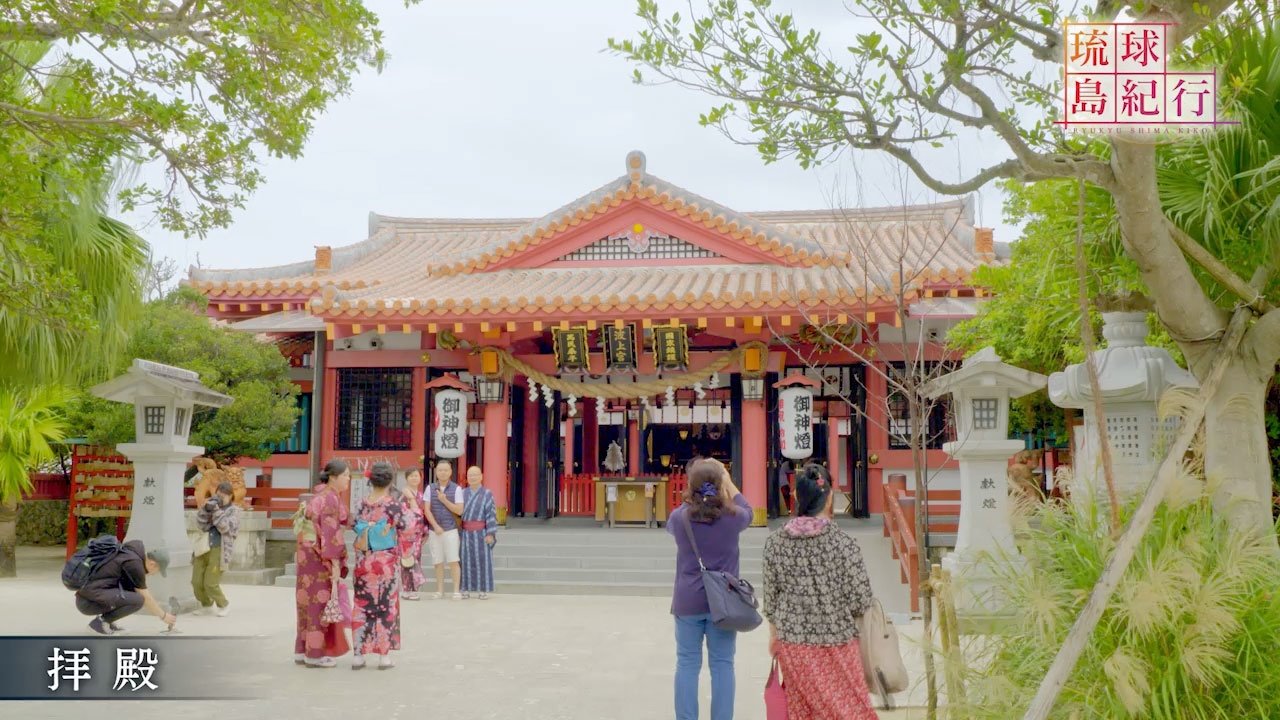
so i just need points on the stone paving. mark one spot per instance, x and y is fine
(525, 656)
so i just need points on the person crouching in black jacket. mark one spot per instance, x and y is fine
(119, 588)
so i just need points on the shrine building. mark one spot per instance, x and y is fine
(618, 335)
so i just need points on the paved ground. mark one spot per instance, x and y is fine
(531, 657)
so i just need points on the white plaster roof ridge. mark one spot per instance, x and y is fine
(884, 213)
(340, 259)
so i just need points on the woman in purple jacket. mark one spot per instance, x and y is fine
(718, 515)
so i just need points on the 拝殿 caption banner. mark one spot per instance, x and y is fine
(127, 668)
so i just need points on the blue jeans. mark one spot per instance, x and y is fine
(721, 644)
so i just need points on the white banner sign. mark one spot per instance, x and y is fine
(449, 428)
(795, 422)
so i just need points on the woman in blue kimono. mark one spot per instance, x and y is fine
(479, 533)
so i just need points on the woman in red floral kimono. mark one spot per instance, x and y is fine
(322, 559)
(376, 615)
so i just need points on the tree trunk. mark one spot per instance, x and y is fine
(9, 538)
(1236, 455)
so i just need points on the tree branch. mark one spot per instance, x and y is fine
(1218, 270)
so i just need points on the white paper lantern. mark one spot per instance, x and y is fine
(449, 429)
(795, 422)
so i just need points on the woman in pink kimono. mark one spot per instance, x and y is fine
(416, 526)
(322, 559)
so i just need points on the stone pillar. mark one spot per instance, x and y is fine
(158, 519)
(981, 390)
(495, 454)
(164, 398)
(754, 460)
(1131, 376)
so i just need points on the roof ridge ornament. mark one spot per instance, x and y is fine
(635, 164)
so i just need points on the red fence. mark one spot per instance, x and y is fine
(900, 528)
(49, 486)
(578, 492)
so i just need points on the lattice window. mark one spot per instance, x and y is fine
(375, 409)
(986, 413)
(180, 421)
(1124, 433)
(657, 247)
(938, 428)
(153, 419)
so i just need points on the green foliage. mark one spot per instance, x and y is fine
(30, 422)
(1033, 318)
(201, 88)
(172, 331)
(68, 274)
(1192, 631)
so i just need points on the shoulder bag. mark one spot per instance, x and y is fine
(881, 660)
(732, 600)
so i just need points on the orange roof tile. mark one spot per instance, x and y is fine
(435, 266)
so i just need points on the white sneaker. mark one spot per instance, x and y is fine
(457, 596)
(436, 596)
(385, 663)
(465, 596)
(223, 611)
(357, 662)
(299, 658)
(204, 610)
(484, 596)
(324, 662)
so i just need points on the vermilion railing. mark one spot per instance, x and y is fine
(900, 528)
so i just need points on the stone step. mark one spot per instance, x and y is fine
(291, 569)
(536, 587)
(289, 580)
(622, 577)
(262, 576)
(617, 537)
(666, 563)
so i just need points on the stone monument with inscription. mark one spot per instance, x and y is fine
(163, 398)
(981, 390)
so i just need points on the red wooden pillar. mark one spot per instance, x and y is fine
(328, 415)
(633, 443)
(568, 446)
(529, 452)
(590, 437)
(877, 434)
(754, 444)
(418, 416)
(496, 415)
(833, 448)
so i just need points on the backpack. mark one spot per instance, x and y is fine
(302, 526)
(88, 560)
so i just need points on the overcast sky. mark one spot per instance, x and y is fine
(509, 108)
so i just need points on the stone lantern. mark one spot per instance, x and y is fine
(981, 390)
(163, 398)
(1131, 378)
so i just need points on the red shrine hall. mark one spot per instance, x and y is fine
(620, 335)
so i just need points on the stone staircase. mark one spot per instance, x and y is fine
(575, 560)
(578, 558)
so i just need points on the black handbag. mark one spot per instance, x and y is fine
(732, 600)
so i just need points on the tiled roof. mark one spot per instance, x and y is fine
(411, 266)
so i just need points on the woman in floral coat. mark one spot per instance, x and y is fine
(815, 589)
(321, 558)
(376, 616)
